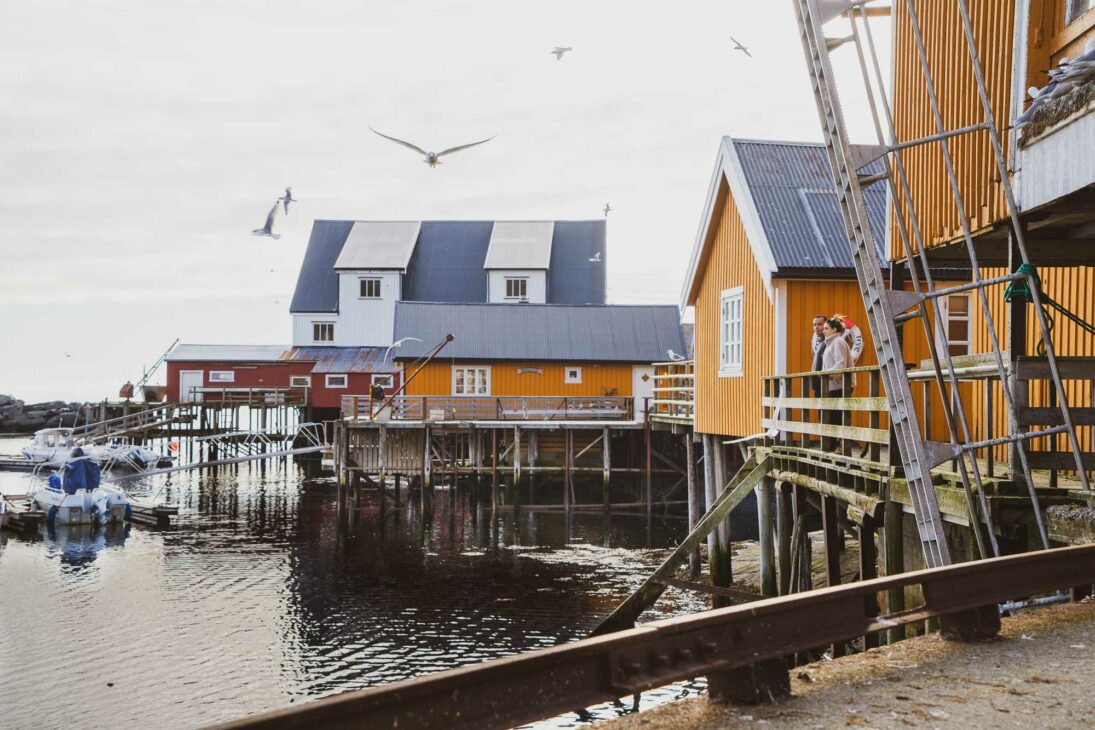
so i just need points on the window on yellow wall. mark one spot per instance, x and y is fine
(731, 331)
(1075, 8)
(470, 381)
(572, 375)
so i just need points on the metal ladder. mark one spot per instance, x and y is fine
(917, 456)
(881, 302)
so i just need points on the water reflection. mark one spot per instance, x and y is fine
(270, 590)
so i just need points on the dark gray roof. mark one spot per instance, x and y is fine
(793, 190)
(541, 332)
(447, 264)
(317, 284)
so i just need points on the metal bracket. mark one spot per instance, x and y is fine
(940, 452)
(829, 9)
(902, 300)
(864, 154)
(831, 44)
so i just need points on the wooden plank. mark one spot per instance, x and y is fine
(829, 404)
(1029, 416)
(858, 433)
(1059, 460)
(1070, 368)
(731, 593)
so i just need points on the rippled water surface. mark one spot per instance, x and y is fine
(264, 594)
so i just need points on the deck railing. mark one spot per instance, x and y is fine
(251, 396)
(674, 391)
(489, 408)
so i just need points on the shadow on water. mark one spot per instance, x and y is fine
(271, 590)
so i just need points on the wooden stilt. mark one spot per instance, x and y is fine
(893, 562)
(648, 486)
(831, 531)
(494, 468)
(568, 467)
(516, 456)
(693, 498)
(765, 524)
(785, 521)
(868, 569)
(606, 469)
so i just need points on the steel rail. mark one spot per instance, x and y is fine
(511, 691)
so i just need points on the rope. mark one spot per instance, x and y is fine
(1021, 290)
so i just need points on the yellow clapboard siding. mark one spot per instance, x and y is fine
(505, 379)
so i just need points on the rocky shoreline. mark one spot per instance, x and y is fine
(19, 417)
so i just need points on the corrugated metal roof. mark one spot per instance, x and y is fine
(226, 353)
(795, 196)
(447, 264)
(541, 332)
(379, 245)
(317, 283)
(342, 359)
(520, 245)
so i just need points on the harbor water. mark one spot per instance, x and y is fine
(265, 593)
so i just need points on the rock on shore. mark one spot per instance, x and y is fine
(19, 417)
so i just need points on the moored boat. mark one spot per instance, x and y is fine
(78, 497)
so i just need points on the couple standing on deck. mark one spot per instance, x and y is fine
(837, 343)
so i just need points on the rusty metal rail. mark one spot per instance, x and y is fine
(514, 690)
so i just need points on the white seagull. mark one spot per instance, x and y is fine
(432, 158)
(608, 209)
(268, 229)
(674, 356)
(739, 47)
(596, 258)
(559, 51)
(288, 198)
(396, 344)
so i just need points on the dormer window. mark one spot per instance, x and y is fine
(516, 287)
(323, 331)
(370, 288)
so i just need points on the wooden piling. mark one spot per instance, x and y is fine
(868, 569)
(693, 498)
(494, 468)
(718, 545)
(764, 492)
(785, 521)
(606, 470)
(516, 456)
(893, 562)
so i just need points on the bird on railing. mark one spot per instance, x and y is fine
(674, 356)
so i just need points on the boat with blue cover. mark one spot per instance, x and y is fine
(77, 495)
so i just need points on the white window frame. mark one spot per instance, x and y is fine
(300, 381)
(948, 317)
(524, 286)
(315, 331)
(361, 286)
(731, 332)
(377, 379)
(482, 377)
(345, 380)
(574, 379)
(222, 376)
(1074, 10)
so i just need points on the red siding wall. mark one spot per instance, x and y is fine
(272, 375)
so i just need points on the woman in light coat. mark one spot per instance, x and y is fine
(837, 356)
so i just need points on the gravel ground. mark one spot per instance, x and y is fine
(1039, 673)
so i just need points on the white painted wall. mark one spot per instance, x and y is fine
(302, 328)
(537, 285)
(642, 388)
(366, 322)
(1059, 163)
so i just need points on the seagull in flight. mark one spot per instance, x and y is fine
(288, 198)
(674, 356)
(596, 258)
(608, 209)
(559, 51)
(268, 229)
(396, 344)
(432, 158)
(739, 47)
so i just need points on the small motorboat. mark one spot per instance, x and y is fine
(77, 496)
(50, 446)
(115, 453)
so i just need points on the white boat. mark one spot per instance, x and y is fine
(81, 506)
(53, 447)
(50, 446)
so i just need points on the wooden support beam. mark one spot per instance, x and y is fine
(719, 562)
(868, 569)
(516, 464)
(494, 468)
(606, 471)
(785, 521)
(893, 562)
(648, 485)
(766, 525)
(693, 499)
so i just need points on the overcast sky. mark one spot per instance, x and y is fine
(141, 142)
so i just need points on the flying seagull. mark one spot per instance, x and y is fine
(674, 356)
(396, 344)
(559, 51)
(596, 258)
(739, 47)
(268, 229)
(608, 209)
(288, 198)
(432, 158)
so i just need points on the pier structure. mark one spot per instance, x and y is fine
(535, 452)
